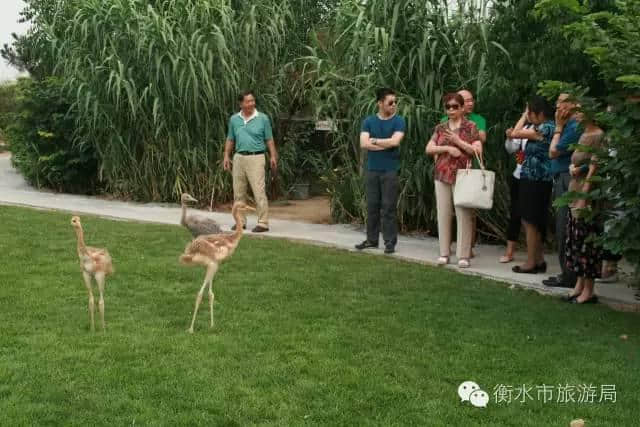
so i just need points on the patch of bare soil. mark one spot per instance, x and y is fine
(316, 210)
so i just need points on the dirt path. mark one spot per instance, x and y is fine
(316, 210)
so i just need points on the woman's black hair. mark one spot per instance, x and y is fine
(539, 104)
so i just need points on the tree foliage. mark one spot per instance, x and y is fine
(611, 40)
(150, 85)
(40, 134)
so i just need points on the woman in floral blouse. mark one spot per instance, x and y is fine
(535, 181)
(453, 144)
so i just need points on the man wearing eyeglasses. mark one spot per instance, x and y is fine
(380, 135)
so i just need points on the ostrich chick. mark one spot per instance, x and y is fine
(95, 263)
(196, 224)
(209, 251)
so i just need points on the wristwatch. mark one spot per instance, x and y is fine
(374, 141)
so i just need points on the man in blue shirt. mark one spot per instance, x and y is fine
(250, 135)
(568, 132)
(380, 135)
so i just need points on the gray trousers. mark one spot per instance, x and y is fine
(382, 200)
(561, 186)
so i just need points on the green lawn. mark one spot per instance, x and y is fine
(303, 335)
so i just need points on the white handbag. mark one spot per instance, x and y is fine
(474, 187)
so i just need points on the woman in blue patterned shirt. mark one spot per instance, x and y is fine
(535, 181)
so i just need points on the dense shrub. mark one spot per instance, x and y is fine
(40, 136)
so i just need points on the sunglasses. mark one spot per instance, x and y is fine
(390, 103)
(451, 106)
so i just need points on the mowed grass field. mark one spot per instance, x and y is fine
(303, 335)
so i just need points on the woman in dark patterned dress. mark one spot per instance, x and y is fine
(584, 257)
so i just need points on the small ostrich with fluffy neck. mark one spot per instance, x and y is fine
(95, 263)
(211, 250)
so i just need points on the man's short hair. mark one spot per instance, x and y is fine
(383, 92)
(244, 93)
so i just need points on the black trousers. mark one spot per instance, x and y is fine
(382, 200)
(515, 221)
(561, 186)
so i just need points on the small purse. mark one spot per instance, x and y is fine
(474, 187)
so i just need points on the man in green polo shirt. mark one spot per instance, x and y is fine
(248, 138)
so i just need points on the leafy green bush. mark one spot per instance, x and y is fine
(8, 101)
(610, 37)
(40, 137)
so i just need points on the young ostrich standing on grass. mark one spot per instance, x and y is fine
(209, 251)
(196, 224)
(96, 263)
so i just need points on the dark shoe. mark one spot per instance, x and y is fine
(592, 300)
(542, 267)
(558, 284)
(518, 269)
(551, 281)
(569, 298)
(233, 227)
(389, 249)
(260, 229)
(554, 282)
(366, 245)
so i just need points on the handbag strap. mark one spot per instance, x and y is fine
(480, 162)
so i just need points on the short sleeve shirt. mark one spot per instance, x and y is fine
(250, 135)
(389, 159)
(570, 136)
(537, 165)
(446, 165)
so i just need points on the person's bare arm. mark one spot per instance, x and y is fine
(432, 149)
(273, 154)
(586, 186)
(520, 132)
(562, 117)
(366, 144)
(467, 147)
(392, 142)
(228, 149)
(483, 136)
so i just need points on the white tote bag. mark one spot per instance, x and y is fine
(474, 187)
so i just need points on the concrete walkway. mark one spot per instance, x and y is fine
(15, 191)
